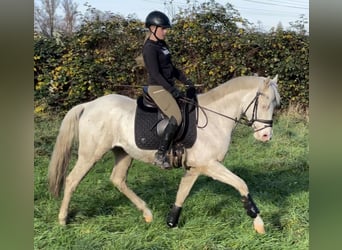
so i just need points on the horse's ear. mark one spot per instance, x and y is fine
(267, 82)
(275, 79)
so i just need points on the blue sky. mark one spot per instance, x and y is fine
(268, 12)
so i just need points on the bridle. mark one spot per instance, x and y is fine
(243, 119)
(268, 123)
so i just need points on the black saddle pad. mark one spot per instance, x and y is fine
(145, 128)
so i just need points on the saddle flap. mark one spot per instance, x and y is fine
(147, 119)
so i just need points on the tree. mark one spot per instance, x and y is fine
(260, 26)
(299, 25)
(45, 16)
(280, 27)
(70, 16)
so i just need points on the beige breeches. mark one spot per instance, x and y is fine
(165, 101)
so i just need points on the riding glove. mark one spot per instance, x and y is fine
(176, 93)
(189, 83)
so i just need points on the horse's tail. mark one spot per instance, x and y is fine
(62, 151)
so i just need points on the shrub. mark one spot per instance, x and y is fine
(211, 43)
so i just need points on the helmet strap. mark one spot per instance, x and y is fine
(154, 33)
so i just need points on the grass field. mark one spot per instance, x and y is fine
(277, 174)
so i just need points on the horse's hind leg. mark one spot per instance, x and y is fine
(184, 189)
(81, 168)
(118, 177)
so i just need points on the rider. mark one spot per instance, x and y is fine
(161, 80)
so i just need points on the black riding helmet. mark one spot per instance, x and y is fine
(158, 19)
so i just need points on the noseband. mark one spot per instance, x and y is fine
(268, 123)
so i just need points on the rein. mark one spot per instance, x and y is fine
(243, 119)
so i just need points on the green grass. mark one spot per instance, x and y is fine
(277, 174)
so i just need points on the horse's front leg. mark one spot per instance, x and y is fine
(185, 186)
(219, 172)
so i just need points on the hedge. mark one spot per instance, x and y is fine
(211, 43)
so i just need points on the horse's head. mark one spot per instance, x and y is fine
(260, 110)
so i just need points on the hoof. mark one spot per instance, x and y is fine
(148, 217)
(62, 222)
(259, 225)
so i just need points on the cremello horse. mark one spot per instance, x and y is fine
(107, 123)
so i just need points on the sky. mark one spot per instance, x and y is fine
(264, 14)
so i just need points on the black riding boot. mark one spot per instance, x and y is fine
(161, 158)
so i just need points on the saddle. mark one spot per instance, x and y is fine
(150, 122)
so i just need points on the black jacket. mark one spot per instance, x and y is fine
(158, 62)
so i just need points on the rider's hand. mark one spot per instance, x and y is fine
(191, 92)
(176, 93)
(189, 83)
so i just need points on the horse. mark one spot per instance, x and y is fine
(106, 123)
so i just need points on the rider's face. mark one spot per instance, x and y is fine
(159, 31)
